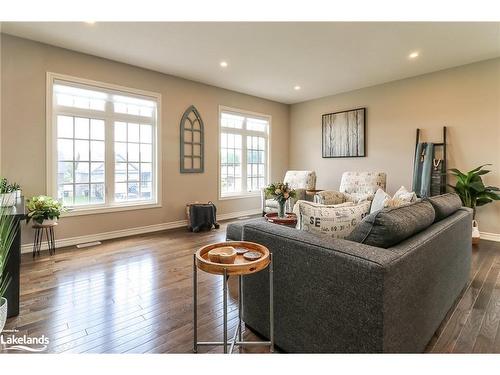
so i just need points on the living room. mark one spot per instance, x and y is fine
(166, 190)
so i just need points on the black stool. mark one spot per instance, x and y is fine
(49, 234)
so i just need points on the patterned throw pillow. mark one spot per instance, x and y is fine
(336, 221)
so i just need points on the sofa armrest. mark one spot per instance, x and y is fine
(327, 293)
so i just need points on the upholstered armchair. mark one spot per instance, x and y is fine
(354, 187)
(300, 181)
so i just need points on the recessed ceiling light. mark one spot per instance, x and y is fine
(223, 64)
(413, 55)
(296, 88)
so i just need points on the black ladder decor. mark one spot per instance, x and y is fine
(438, 176)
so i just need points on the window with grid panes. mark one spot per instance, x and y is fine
(105, 146)
(243, 153)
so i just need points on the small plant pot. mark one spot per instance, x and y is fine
(49, 221)
(476, 236)
(8, 199)
(3, 312)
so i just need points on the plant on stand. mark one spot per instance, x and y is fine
(44, 210)
(280, 192)
(473, 193)
(7, 235)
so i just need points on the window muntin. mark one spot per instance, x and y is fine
(243, 153)
(105, 147)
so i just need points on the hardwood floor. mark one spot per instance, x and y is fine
(134, 295)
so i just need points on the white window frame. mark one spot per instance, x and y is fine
(243, 133)
(51, 146)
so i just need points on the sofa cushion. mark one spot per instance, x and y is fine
(389, 226)
(335, 221)
(444, 205)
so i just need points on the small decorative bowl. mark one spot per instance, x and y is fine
(225, 255)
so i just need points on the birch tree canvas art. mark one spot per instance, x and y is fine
(344, 134)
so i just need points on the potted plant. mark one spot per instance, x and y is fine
(44, 210)
(7, 235)
(473, 193)
(280, 192)
(8, 193)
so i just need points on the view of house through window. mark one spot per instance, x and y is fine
(243, 152)
(105, 144)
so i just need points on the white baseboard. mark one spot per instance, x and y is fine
(490, 236)
(72, 241)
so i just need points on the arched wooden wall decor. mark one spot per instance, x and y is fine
(192, 144)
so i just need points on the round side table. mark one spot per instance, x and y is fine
(240, 267)
(49, 234)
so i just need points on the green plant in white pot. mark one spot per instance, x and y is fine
(473, 192)
(8, 193)
(44, 210)
(7, 235)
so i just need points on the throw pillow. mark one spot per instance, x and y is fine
(389, 226)
(335, 221)
(445, 204)
(404, 195)
(379, 200)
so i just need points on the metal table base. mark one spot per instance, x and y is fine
(237, 337)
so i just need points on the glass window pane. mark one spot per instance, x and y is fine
(133, 171)
(82, 151)
(64, 172)
(121, 172)
(146, 134)
(146, 190)
(120, 151)
(133, 152)
(64, 149)
(256, 124)
(146, 172)
(232, 121)
(120, 191)
(96, 193)
(97, 172)
(97, 129)
(64, 127)
(65, 192)
(82, 193)
(146, 153)
(82, 172)
(133, 191)
(120, 131)
(133, 133)
(97, 150)
(81, 128)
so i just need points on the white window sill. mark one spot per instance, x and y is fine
(79, 211)
(240, 196)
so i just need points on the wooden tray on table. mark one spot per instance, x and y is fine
(241, 266)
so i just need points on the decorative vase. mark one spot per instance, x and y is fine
(3, 312)
(281, 208)
(8, 199)
(476, 236)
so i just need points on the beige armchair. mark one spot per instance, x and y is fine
(354, 187)
(300, 181)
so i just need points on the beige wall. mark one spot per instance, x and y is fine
(24, 67)
(465, 99)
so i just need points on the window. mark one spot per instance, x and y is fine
(243, 157)
(103, 143)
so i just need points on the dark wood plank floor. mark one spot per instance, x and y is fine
(134, 295)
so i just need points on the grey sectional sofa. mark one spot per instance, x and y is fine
(338, 296)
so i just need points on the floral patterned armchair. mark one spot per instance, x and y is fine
(300, 181)
(354, 187)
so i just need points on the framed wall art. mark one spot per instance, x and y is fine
(343, 134)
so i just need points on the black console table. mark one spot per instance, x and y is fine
(14, 262)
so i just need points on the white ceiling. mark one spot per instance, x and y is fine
(269, 59)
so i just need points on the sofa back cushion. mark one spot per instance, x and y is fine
(389, 226)
(335, 221)
(444, 205)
